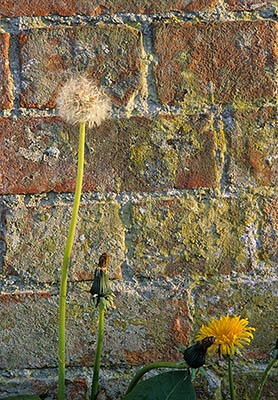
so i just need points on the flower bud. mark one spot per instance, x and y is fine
(101, 290)
(195, 355)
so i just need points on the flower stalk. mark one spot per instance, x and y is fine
(82, 102)
(66, 260)
(231, 382)
(98, 352)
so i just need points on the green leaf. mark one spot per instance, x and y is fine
(23, 397)
(173, 385)
(180, 348)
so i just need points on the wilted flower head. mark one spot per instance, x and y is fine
(81, 100)
(228, 332)
(195, 355)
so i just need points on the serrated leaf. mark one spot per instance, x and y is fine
(180, 348)
(23, 397)
(173, 385)
(204, 372)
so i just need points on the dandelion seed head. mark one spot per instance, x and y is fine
(81, 100)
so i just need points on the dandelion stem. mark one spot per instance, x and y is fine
(263, 379)
(149, 367)
(231, 383)
(64, 274)
(98, 352)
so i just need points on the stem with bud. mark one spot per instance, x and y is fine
(98, 352)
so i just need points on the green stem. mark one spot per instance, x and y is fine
(263, 379)
(64, 274)
(98, 352)
(147, 368)
(231, 383)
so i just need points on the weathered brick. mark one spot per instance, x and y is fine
(40, 154)
(246, 383)
(28, 330)
(134, 317)
(11, 8)
(165, 153)
(108, 53)
(156, 340)
(191, 235)
(5, 92)
(37, 155)
(157, 6)
(254, 157)
(246, 380)
(215, 61)
(245, 5)
(42, 382)
(38, 257)
(269, 239)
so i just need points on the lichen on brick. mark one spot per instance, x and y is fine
(39, 257)
(254, 147)
(193, 235)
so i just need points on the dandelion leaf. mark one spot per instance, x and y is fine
(173, 385)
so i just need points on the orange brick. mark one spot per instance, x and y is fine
(5, 93)
(12, 8)
(245, 5)
(230, 59)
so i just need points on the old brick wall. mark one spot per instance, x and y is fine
(180, 185)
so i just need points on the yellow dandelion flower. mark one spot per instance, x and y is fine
(228, 332)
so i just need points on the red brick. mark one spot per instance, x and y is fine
(108, 53)
(140, 155)
(26, 163)
(232, 59)
(5, 92)
(158, 6)
(12, 8)
(245, 5)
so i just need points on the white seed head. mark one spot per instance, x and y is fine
(81, 100)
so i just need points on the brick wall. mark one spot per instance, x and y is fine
(180, 185)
